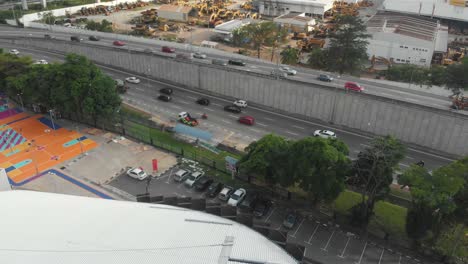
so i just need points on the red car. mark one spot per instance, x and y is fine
(119, 43)
(248, 120)
(168, 49)
(353, 86)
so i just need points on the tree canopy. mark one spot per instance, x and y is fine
(260, 34)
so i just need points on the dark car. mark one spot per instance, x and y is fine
(290, 220)
(47, 36)
(165, 98)
(93, 38)
(168, 49)
(232, 109)
(214, 189)
(236, 62)
(167, 91)
(261, 207)
(76, 38)
(203, 101)
(249, 201)
(325, 78)
(203, 183)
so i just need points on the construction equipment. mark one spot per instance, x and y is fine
(247, 6)
(460, 102)
(307, 45)
(378, 59)
(300, 36)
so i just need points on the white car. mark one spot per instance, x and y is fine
(237, 197)
(287, 70)
(14, 51)
(181, 175)
(137, 173)
(190, 181)
(240, 103)
(41, 62)
(199, 55)
(324, 134)
(132, 80)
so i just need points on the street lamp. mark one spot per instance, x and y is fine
(53, 124)
(21, 100)
(79, 139)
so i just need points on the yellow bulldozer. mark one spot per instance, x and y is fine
(307, 45)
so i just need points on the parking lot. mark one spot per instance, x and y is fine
(324, 242)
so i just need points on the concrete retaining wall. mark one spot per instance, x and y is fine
(428, 127)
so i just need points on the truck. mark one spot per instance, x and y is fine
(120, 86)
(460, 102)
(186, 119)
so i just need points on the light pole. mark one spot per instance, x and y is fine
(51, 118)
(21, 100)
(79, 139)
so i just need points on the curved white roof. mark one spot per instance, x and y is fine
(54, 228)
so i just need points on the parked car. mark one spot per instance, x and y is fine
(203, 183)
(248, 120)
(214, 189)
(249, 201)
(132, 80)
(325, 78)
(287, 70)
(190, 181)
(118, 43)
(147, 50)
(240, 103)
(232, 109)
(237, 197)
(137, 173)
(353, 86)
(219, 62)
(290, 220)
(168, 49)
(93, 38)
(47, 36)
(199, 55)
(236, 62)
(184, 56)
(181, 175)
(14, 51)
(167, 91)
(76, 38)
(278, 73)
(41, 62)
(165, 98)
(225, 193)
(324, 134)
(203, 101)
(261, 207)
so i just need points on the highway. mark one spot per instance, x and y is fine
(224, 125)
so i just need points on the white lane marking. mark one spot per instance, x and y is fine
(225, 121)
(362, 254)
(208, 109)
(137, 88)
(261, 124)
(328, 242)
(381, 255)
(344, 249)
(267, 118)
(410, 157)
(315, 230)
(233, 116)
(176, 106)
(216, 104)
(191, 97)
(364, 145)
(271, 213)
(295, 232)
(184, 102)
(255, 130)
(292, 133)
(298, 127)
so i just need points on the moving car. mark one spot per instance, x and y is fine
(225, 193)
(137, 173)
(14, 51)
(278, 73)
(219, 62)
(324, 78)
(118, 43)
(187, 119)
(203, 101)
(132, 80)
(76, 38)
(249, 201)
(248, 120)
(214, 189)
(41, 62)
(261, 207)
(181, 175)
(93, 38)
(199, 55)
(168, 49)
(324, 134)
(287, 70)
(240, 103)
(290, 220)
(190, 181)
(165, 98)
(184, 56)
(47, 36)
(237, 197)
(353, 86)
(167, 91)
(232, 109)
(203, 183)
(236, 62)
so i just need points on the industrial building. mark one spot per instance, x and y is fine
(281, 7)
(297, 22)
(224, 30)
(402, 38)
(446, 9)
(173, 12)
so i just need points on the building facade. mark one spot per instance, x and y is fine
(173, 12)
(281, 7)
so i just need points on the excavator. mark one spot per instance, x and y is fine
(307, 45)
(375, 59)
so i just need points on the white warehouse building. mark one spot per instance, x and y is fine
(281, 7)
(406, 39)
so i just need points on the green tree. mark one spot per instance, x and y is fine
(373, 173)
(260, 34)
(279, 36)
(453, 243)
(457, 77)
(12, 66)
(318, 58)
(48, 18)
(290, 55)
(348, 45)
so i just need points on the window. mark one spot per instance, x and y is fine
(397, 59)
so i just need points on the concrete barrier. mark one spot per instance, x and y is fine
(440, 130)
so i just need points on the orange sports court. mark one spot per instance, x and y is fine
(30, 144)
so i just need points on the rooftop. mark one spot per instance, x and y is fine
(175, 8)
(448, 9)
(304, 2)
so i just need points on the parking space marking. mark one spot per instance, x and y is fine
(315, 230)
(268, 218)
(399, 260)
(206, 108)
(255, 130)
(267, 118)
(184, 102)
(191, 97)
(225, 121)
(362, 254)
(261, 124)
(381, 255)
(292, 133)
(233, 116)
(299, 226)
(299, 127)
(344, 249)
(328, 242)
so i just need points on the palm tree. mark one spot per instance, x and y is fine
(290, 55)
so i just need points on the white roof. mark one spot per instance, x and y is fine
(451, 9)
(53, 228)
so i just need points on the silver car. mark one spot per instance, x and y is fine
(199, 55)
(287, 70)
(190, 181)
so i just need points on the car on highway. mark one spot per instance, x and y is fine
(118, 43)
(225, 193)
(184, 56)
(47, 36)
(167, 91)
(93, 38)
(247, 120)
(41, 62)
(324, 134)
(278, 73)
(219, 62)
(249, 201)
(165, 98)
(132, 80)
(203, 183)
(261, 207)
(181, 175)
(137, 173)
(76, 38)
(190, 181)
(353, 87)
(237, 197)
(290, 220)
(232, 109)
(203, 101)
(287, 70)
(214, 189)
(324, 78)
(14, 51)
(236, 62)
(240, 103)
(167, 49)
(186, 119)
(199, 55)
